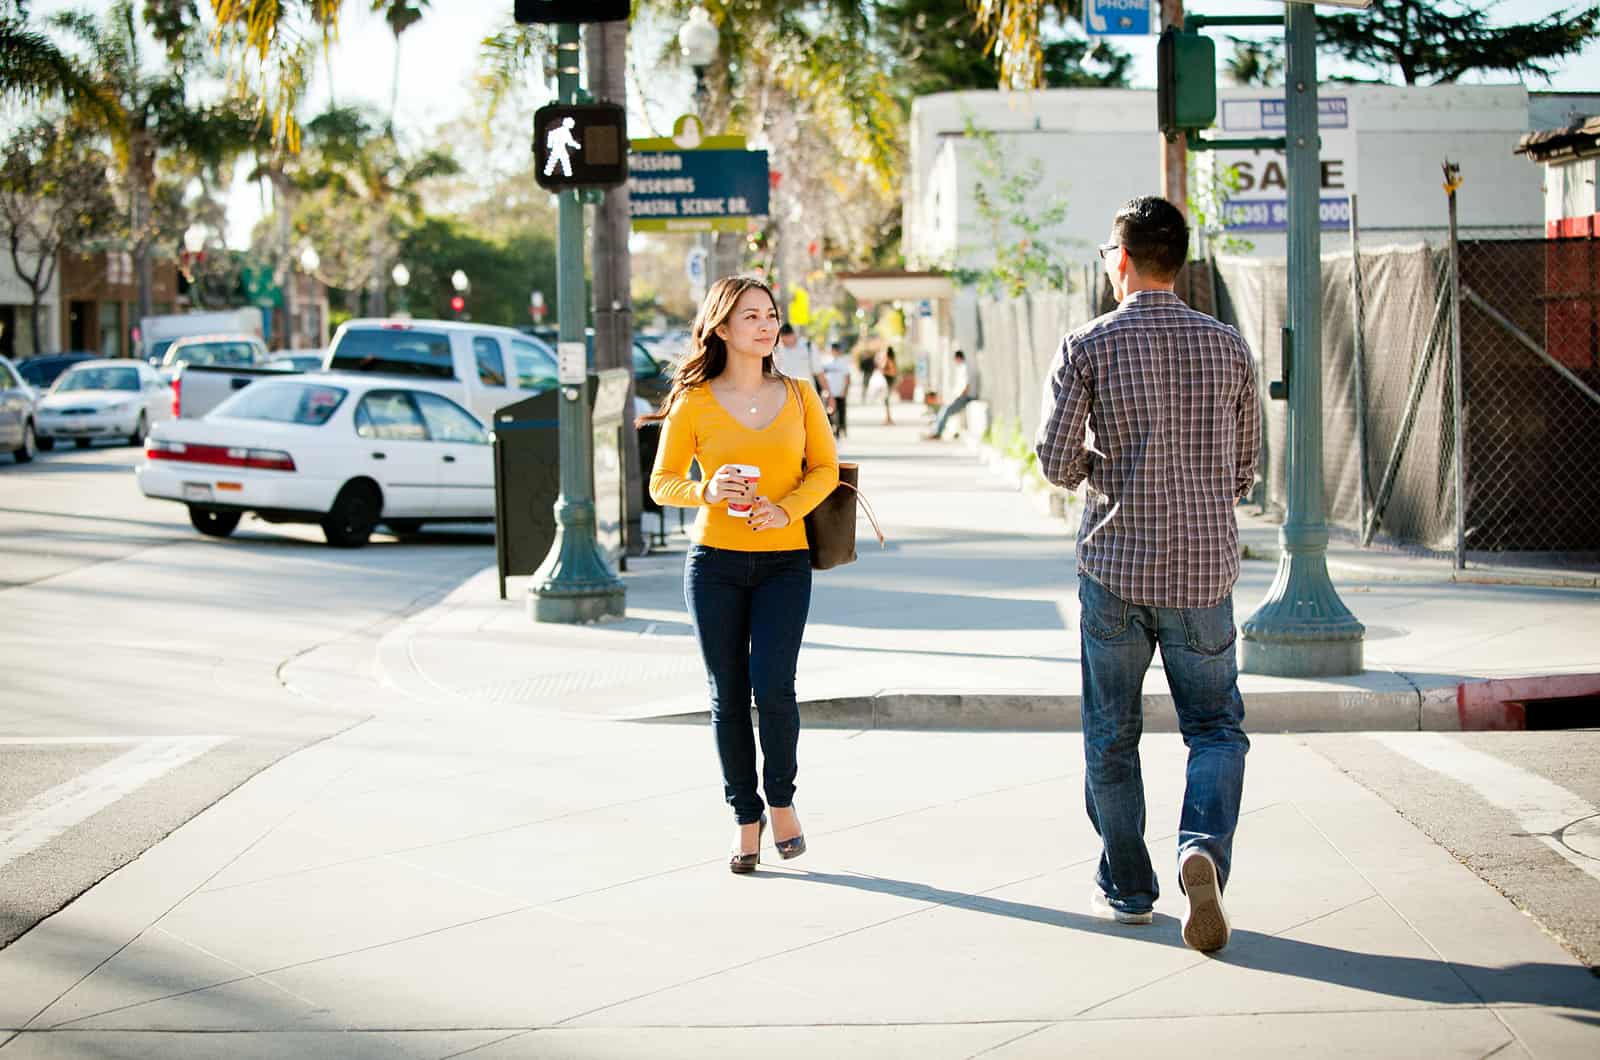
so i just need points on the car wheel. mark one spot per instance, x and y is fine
(355, 513)
(212, 522)
(46, 444)
(403, 527)
(30, 445)
(83, 443)
(139, 429)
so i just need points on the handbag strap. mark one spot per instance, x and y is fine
(862, 497)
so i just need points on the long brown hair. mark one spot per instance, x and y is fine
(708, 353)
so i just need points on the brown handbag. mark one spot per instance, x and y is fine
(831, 526)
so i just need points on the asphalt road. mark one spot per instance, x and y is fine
(144, 669)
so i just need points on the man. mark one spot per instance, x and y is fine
(961, 388)
(1169, 397)
(797, 358)
(836, 376)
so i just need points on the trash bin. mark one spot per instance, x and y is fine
(527, 474)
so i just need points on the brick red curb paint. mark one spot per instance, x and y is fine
(1499, 704)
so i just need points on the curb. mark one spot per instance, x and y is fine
(1333, 710)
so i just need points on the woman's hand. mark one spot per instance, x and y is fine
(764, 515)
(728, 485)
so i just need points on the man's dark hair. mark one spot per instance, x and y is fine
(960, 356)
(786, 329)
(1155, 235)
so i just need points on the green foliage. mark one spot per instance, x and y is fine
(1018, 230)
(1438, 41)
(503, 272)
(1210, 187)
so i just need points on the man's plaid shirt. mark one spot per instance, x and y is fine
(1169, 395)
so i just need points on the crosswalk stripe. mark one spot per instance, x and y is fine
(1545, 810)
(52, 812)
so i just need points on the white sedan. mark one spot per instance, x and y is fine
(118, 399)
(343, 450)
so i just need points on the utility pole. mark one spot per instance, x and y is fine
(1303, 629)
(1174, 153)
(607, 46)
(574, 583)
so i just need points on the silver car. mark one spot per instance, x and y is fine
(117, 399)
(17, 404)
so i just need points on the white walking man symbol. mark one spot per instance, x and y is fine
(556, 142)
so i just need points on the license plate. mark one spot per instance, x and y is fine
(196, 491)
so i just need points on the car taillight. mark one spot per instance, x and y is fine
(221, 455)
(177, 391)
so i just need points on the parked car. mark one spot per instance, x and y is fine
(482, 366)
(158, 333)
(297, 360)
(344, 450)
(652, 372)
(103, 399)
(43, 369)
(17, 401)
(224, 351)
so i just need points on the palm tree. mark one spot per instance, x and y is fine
(401, 16)
(145, 112)
(32, 67)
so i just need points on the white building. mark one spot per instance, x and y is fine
(16, 301)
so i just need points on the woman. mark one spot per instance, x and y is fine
(891, 373)
(748, 577)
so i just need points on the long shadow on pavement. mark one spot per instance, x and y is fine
(1431, 981)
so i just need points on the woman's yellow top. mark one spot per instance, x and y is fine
(795, 452)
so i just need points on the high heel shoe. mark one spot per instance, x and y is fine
(743, 864)
(791, 848)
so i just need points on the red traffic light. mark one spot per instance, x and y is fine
(457, 303)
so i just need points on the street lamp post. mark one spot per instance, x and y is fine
(574, 583)
(698, 40)
(401, 276)
(1303, 629)
(458, 301)
(194, 241)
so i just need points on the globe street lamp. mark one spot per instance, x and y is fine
(698, 40)
(310, 260)
(401, 276)
(458, 280)
(194, 238)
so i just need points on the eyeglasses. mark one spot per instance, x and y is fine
(1106, 248)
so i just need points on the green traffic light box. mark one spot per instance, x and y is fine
(1186, 82)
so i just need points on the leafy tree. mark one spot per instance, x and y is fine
(503, 272)
(1255, 63)
(146, 113)
(401, 15)
(941, 47)
(1437, 41)
(1016, 228)
(53, 197)
(32, 66)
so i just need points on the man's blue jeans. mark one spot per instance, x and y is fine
(749, 611)
(961, 402)
(1197, 651)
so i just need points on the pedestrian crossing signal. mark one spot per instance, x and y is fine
(548, 11)
(580, 145)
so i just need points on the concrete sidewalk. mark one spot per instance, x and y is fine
(969, 620)
(497, 864)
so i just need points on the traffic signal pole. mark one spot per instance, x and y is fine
(1303, 629)
(574, 584)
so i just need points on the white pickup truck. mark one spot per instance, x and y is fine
(482, 366)
(206, 370)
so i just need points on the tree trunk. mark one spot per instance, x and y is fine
(285, 270)
(33, 318)
(607, 44)
(142, 173)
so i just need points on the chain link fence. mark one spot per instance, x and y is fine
(1530, 399)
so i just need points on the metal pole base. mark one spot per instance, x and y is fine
(574, 584)
(1302, 629)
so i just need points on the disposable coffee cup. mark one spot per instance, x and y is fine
(744, 471)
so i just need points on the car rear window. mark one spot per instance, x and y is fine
(226, 354)
(393, 351)
(308, 404)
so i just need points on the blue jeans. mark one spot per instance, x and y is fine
(949, 410)
(749, 612)
(1197, 651)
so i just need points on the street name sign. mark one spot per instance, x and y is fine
(703, 190)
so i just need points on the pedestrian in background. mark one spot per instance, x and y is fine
(1155, 405)
(747, 580)
(836, 372)
(797, 358)
(890, 373)
(961, 397)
